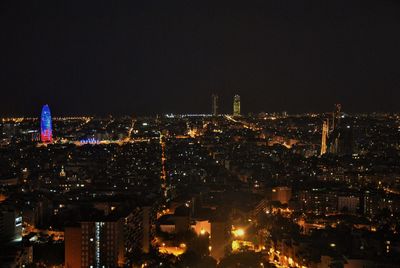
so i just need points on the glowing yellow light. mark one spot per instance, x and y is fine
(235, 245)
(202, 232)
(238, 232)
(183, 245)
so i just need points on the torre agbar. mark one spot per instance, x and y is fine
(46, 132)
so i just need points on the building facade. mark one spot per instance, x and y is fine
(95, 244)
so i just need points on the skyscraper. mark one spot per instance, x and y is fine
(46, 132)
(214, 104)
(236, 105)
(325, 132)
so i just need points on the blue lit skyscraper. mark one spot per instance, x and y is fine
(46, 132)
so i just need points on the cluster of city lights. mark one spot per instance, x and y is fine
(89, 141)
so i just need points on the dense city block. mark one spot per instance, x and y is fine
(261, 190)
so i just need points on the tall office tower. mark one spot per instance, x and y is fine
(46, 132)
(236, 105)
(214, 104)
(324, 142)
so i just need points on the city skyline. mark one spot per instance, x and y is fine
(218, 102)
(132, 58)
(200, 134)
(201, 191)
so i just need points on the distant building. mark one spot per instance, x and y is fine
(46, 131)
(281, 194)
(319, 201)
(236, 105)
(214, 104)
(348, 203)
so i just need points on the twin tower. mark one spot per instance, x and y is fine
(236, 105)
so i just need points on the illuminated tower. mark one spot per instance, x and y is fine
(236, 105)
(46, 132)
(325, 131)
(214, 104)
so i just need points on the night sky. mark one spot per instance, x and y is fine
(149, 57)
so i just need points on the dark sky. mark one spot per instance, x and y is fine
(148, 57)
